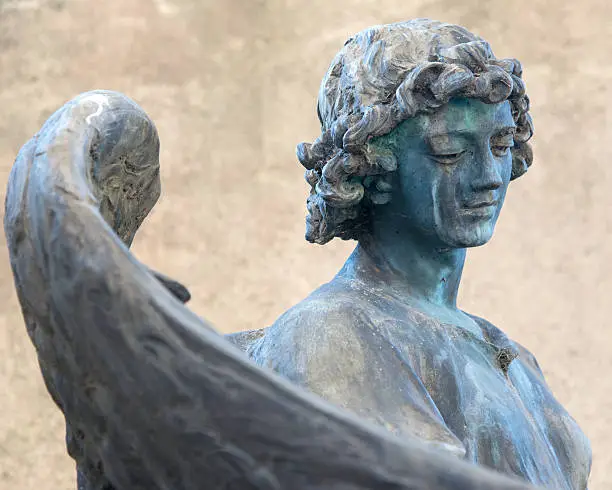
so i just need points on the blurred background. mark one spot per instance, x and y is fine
(232, 85)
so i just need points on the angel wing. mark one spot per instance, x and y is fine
(153, 397)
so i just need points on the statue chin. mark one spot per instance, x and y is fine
(477, 240)
(468, 238)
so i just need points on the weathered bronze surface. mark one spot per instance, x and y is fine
(422, 130)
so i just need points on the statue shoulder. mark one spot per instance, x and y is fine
(329, 310)
(529, 359)
(328, 326)
(499, 338)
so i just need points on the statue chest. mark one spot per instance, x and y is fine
(504, 414)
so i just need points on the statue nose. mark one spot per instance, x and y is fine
(488, 177)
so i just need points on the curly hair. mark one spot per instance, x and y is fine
(381, 77)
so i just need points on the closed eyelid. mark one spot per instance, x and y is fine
(454, 142)
(507, 141)
(506, 132)
(444, 143)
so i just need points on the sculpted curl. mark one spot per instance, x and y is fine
(381, 77)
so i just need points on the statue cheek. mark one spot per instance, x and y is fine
(507, 173)
(448, 188)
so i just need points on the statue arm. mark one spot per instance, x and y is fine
(153, 397)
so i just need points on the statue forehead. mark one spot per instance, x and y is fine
(460, 115)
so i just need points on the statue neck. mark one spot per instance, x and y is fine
(414, 266)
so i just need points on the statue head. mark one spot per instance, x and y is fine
(422, 126)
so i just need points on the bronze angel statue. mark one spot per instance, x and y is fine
(377, 380)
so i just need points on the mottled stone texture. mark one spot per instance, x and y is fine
(153, 397)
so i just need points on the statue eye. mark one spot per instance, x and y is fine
(448, 158)
(501, 150)
(500, 146)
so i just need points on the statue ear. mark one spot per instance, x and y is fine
(176, 288)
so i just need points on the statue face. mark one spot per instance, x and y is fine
(454, 167)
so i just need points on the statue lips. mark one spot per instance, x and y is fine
(481, 208)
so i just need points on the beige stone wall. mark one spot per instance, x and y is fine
(231, 85)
